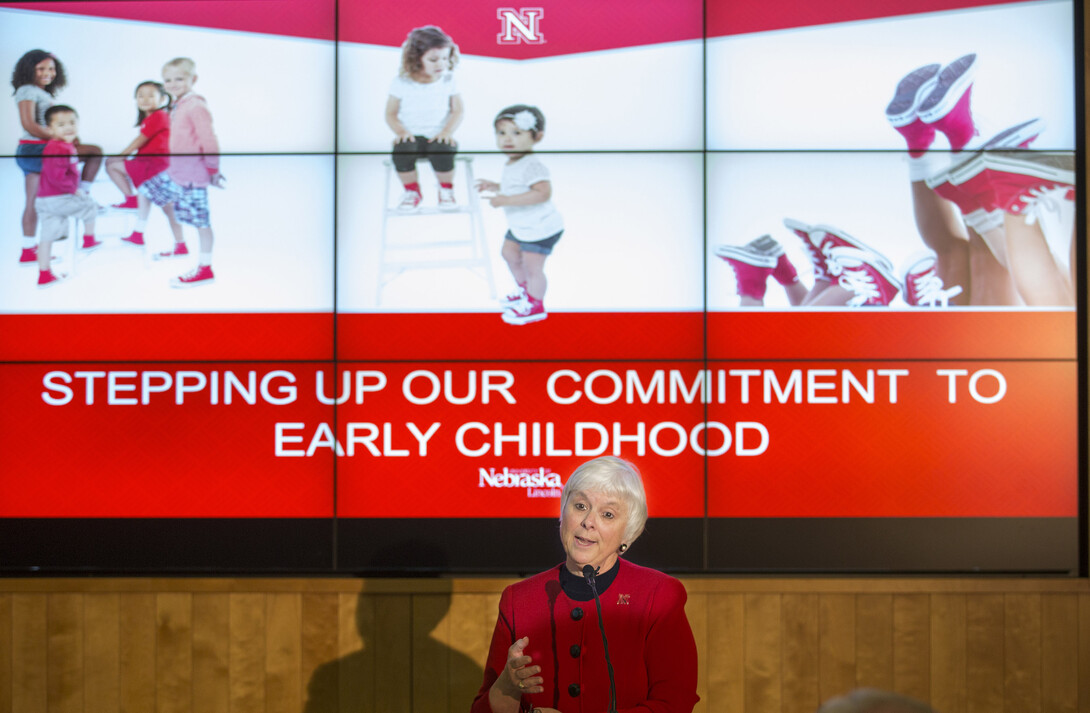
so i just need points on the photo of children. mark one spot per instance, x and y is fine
(423, 111)
(534, 225)
(987, 221)
(276, 219)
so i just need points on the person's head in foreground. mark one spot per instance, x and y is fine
(872, 700)
(603, 509)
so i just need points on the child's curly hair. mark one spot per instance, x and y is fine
(24, 71)
(419, 41)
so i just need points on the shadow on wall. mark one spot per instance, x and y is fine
(400, 658)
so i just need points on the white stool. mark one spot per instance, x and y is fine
(415, 256)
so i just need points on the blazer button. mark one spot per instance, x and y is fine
(577, 614)
(573, 690)
(574, 650)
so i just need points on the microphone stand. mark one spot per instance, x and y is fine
(589, 574)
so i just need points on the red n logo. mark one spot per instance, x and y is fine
(520, 26)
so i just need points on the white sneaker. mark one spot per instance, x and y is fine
(410, 201)
(446, 199)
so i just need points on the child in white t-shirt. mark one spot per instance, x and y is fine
(423, 110)
(534, 225)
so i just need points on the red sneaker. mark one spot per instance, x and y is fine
(1014, 181)
(922, 285)
(902, 111)
(870, 279)
(201, 275)
(49, 278)
(137, 239)
(529, 311)
(130, 203)
(90, 243)
(751, 269)
(180, 250)
(817, 257)
(946, 108)
(29, 256)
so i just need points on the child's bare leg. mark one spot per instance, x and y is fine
(1038, 278)
(991, 281)
(30, 214)
(940, 225)
(115, 169)
(168, 210)
(45, 252)
(533, 265)
(407, 177)
(206, 241)
(819, 287)
(91, 156)
(512, 255)
(445, 176)
(833, 295)
(796, 293)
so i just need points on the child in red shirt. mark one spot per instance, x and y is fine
(59, 194)
(152, 147)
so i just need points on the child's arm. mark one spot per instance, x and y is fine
(454, 119)
(134, 145)
(207, 141)
(538, 193)
(393, 106)
(483, 185)
(32, 127)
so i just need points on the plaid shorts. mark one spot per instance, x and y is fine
(190, 204)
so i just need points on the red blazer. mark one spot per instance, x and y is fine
(650, 643)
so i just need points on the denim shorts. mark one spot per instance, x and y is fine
(541, 247)
(29, 157)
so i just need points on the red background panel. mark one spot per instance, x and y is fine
(64, 337)
(156, 460)
(294, 18)
(919, 457)
(731, 17)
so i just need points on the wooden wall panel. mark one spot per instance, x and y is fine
(102, 651)
(949, 637)
(174, 652)
(763, 661)
(137, 634)
(333, 646)
(874, 641)
(1059, 653)
(29, 659)
(911, 645)
(838, 674)
(1022, 653)
(6, 656)
(211, 653)
(726, 653)
(802, 650)
(984, 657)
(247, 653)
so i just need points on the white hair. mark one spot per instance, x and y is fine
(613, 476)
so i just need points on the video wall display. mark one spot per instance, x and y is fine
(289, 285)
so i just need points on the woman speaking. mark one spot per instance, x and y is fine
(547, 652)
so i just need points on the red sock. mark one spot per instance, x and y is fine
(414, 187)
(446, 185)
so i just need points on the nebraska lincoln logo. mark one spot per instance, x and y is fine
(520, 26)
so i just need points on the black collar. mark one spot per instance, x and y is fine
(576, 587)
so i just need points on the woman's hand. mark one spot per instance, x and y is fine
(519, 676)
(404, 137)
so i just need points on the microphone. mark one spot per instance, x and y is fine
(588, 574)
